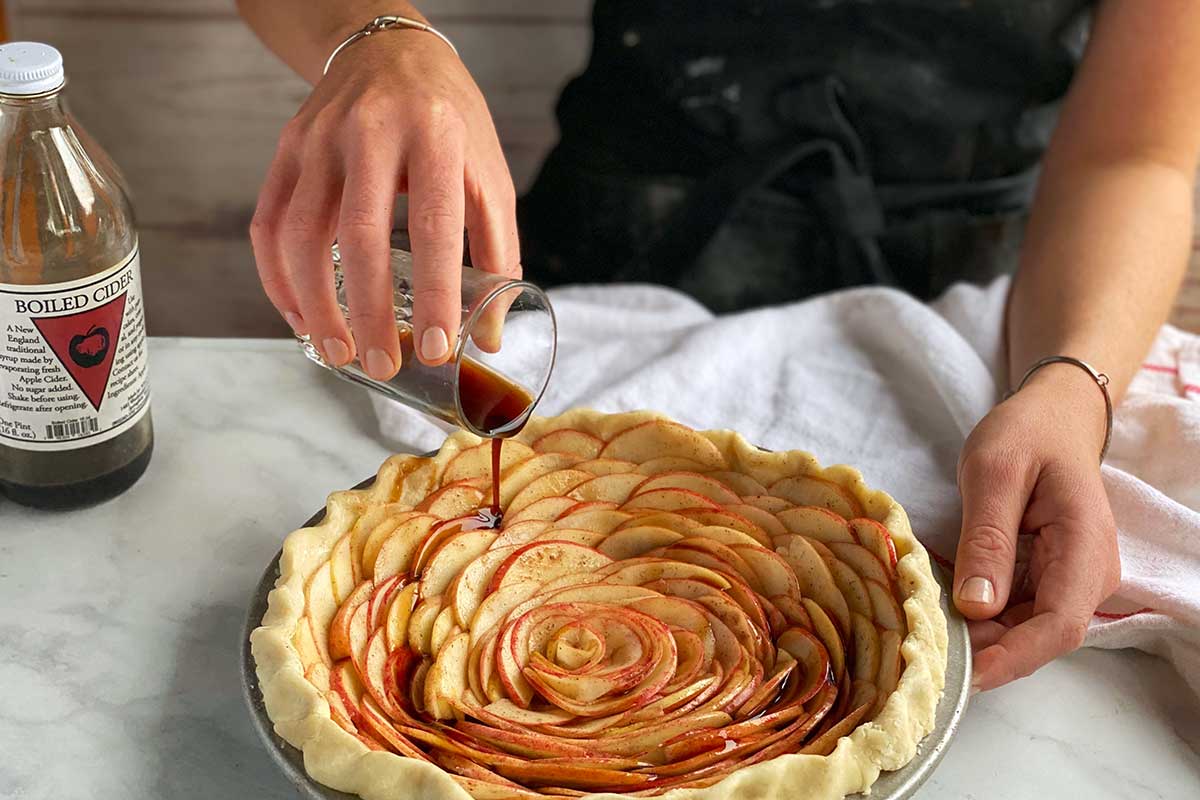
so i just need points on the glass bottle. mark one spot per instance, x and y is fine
(75, 423)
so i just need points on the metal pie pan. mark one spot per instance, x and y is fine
(898, 785)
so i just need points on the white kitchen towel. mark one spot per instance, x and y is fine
(872, 378)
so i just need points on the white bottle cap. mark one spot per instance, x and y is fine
(29, 68)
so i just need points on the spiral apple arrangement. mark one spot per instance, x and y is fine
(644, 619)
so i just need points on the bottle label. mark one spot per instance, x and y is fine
(73, 360)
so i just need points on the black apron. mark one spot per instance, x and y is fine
(751, 153)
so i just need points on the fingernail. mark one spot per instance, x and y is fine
(336, 351)
(295, 322)
(434, 344)
(379, 364)
(977, 590)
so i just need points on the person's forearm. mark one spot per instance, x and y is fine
(304, 32)
(1105, 251)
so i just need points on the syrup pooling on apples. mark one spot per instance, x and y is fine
(642, 619)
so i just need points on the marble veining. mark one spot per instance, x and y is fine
(119, 624)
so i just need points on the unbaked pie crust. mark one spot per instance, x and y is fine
(671, 535)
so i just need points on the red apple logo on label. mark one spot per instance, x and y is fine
(89, 349)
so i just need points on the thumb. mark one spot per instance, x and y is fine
(995, 490)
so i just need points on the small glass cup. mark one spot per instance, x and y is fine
(501, 363)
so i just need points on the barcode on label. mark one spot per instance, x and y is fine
(72, 428)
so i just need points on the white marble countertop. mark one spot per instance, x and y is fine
(119, 625)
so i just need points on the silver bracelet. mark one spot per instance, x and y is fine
(386, 24)
(1099, 377)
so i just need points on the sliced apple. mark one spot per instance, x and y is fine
(724, 535)
(343, 572)
(692, 481)
(567, 440)
(547, 509)
(852, 587)
(763, 519)
(545, 561)
(658, 438)
(453, 500)
(583, 506)
(812, 655)
(402, 541)
(741, 483)
(381, 600)
(552, 484)
(669, 500)
(805, 490)
(728, 519)
(606, 466)
(661, 519)
(469, 589)
(889, 667)
(657, 466)
(344, 681)
(521, 533)
(518, 476)
(876, 538)
(573, 535)
(359, 636)
(476, 462)
(861, 560)
(640, 571)
(398, 613)
(443, 628)
(600, 520)
(420, 624)
(866, 648)
(373, 672)
(498, 604)
(452, 557)
(320, 607)
(767, 502)
(825, 629)
(814, 577)
(339, 628)
(616, 488)
(774, 573)
(885, 607)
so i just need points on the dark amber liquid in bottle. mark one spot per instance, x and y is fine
(55, 230)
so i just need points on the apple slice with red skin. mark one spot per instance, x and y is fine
(769, 523)
(726, 536)
(866, 648)
(806, 490)
(498, 603)
(813, 658)
(637, 541)
(876, 538)
(767, 502)
(306, 646)
(344, 681)
(793, 611)
(547, 509)
(692, 481)
(443, 628)
(374, 720)
(468, 590)
(447, 677)
(339, 628)
(818, 524)
(452, 557)
(616, 488)
(568, 440)
(359, 636)
(381, 600)
(658, 438)
(552, 484)
(340, 714)
(887, 611)
(814, 577)
(398, 614)
(514, 479)
(827, 742)
(741, 483)
(715, 556)
(453, 500)
(657, 466)
(765, 693)
(727, 519)
(606, 466)
(600, 520)
(521, 533)
(395, 554)
(374, 670)
(640, 571)
(476, 462)
(513, 713)
(862, 561)
(575, 536)
(582, 506)
(544, 561)
(669, 500)
(661, 519)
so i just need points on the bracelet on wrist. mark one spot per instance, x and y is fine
(386, 23)
(1099, 377)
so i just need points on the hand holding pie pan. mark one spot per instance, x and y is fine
(663, 612)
